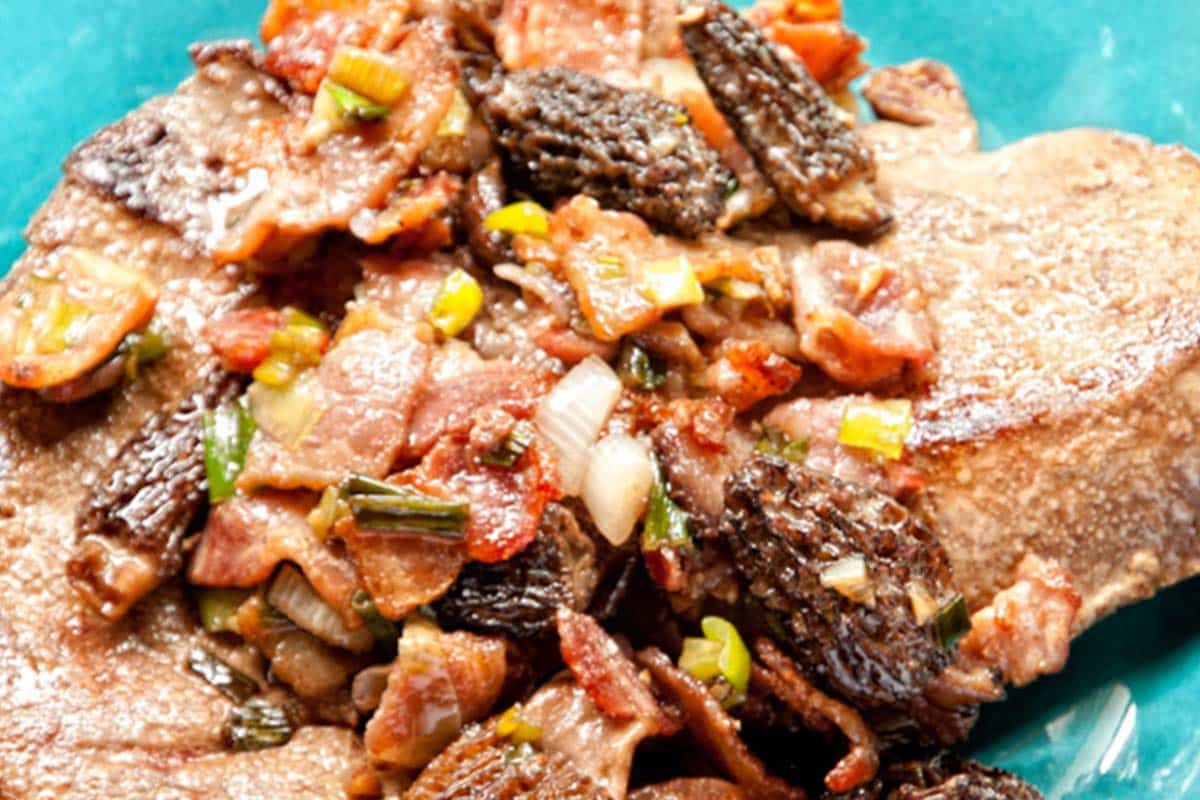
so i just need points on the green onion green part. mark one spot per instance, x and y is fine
(232, 683)
(353, 105)
(382, 628)
(258, 724)
(227, 434)
(641, 370)
(952, 622)
(218, 608)
(666, 523)
(734, 659)
(511, 449)
(775, 442)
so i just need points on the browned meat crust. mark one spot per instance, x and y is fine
(131, 525)
(945, 777)
(784, 118)
(485, 193)
(565, 133)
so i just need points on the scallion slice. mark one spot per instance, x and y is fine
(775, 442)
(218, 608)
(639, 369)
(509, 452)
(232, 683)
(525, 217)
(516, 728)
(952, 622)
(257, 724)
(458, 302)
(352, 105)
(666, 523)
(734, 660)
(701, 658)
(227, 434)
(381, 506)
(382, 628)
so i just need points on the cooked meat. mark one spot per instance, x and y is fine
(486, 193)
(103, 710)
(438, 683)
(565, 133)
(714, 730)
(859, 317)
(690, 789)
(820, 711)
(602, 38)
(478, 765)
(786, 527)
(1057, 414)
(1025, 632)
(922, 110)
(598, 746)
(521, 596)
(130, 528)
(784, 118)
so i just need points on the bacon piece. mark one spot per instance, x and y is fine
(1026, 630)
(715, 731)
(601, 37)
(506, 502)
(409, 212)
(242, 338)
(60, 322)
(860, 318)
(402, 572)
(606, 673)
(749, 372)
(246, 538)
(818, 709)
(369, 383)
(817, 420)
(438, 683)
(690, 789)
(302, 35)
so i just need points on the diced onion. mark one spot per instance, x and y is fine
(574, 413)
(287, 414)
(292, 594)
(619, 477)
(701, 658)
(371, 74)
(849, 578)
(877, 425)
(923, 604)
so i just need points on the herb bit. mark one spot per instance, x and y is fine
(516, 728)
(219, 607)
(721, 656)
(380, 506)
(353, 106)
(258, 724)
(666, 523)
(234, 684)
(227, 434)
(382, 628)
(509, 451)
(952, 622)
(775, 442)
(640, 369)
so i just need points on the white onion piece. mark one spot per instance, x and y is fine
(292, 594)
(288, 414)
(619, 477)
(849, 578)
(574, 413)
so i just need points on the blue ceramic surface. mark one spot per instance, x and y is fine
(1121, 721)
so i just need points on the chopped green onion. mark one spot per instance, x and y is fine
(457, 303)
(923, 604)
(258, 724)
(227, 434)
(734, 660)
(509, 451)
(525, 217)
(951, 622)
(775, 442)
(736, 288)
(382, 628)
(402, 512)
(682, 119)
(218, 608)
(878, 425)
(519, 752)
(352, 105)
(666, 523)
(671, 283)
(327, 512)
(276, 371)
(232, 683)
(515, 728)
(639, 369)
(364, 484)
(701, 658)
(145, 347)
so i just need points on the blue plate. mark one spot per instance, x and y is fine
(1121, 721)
